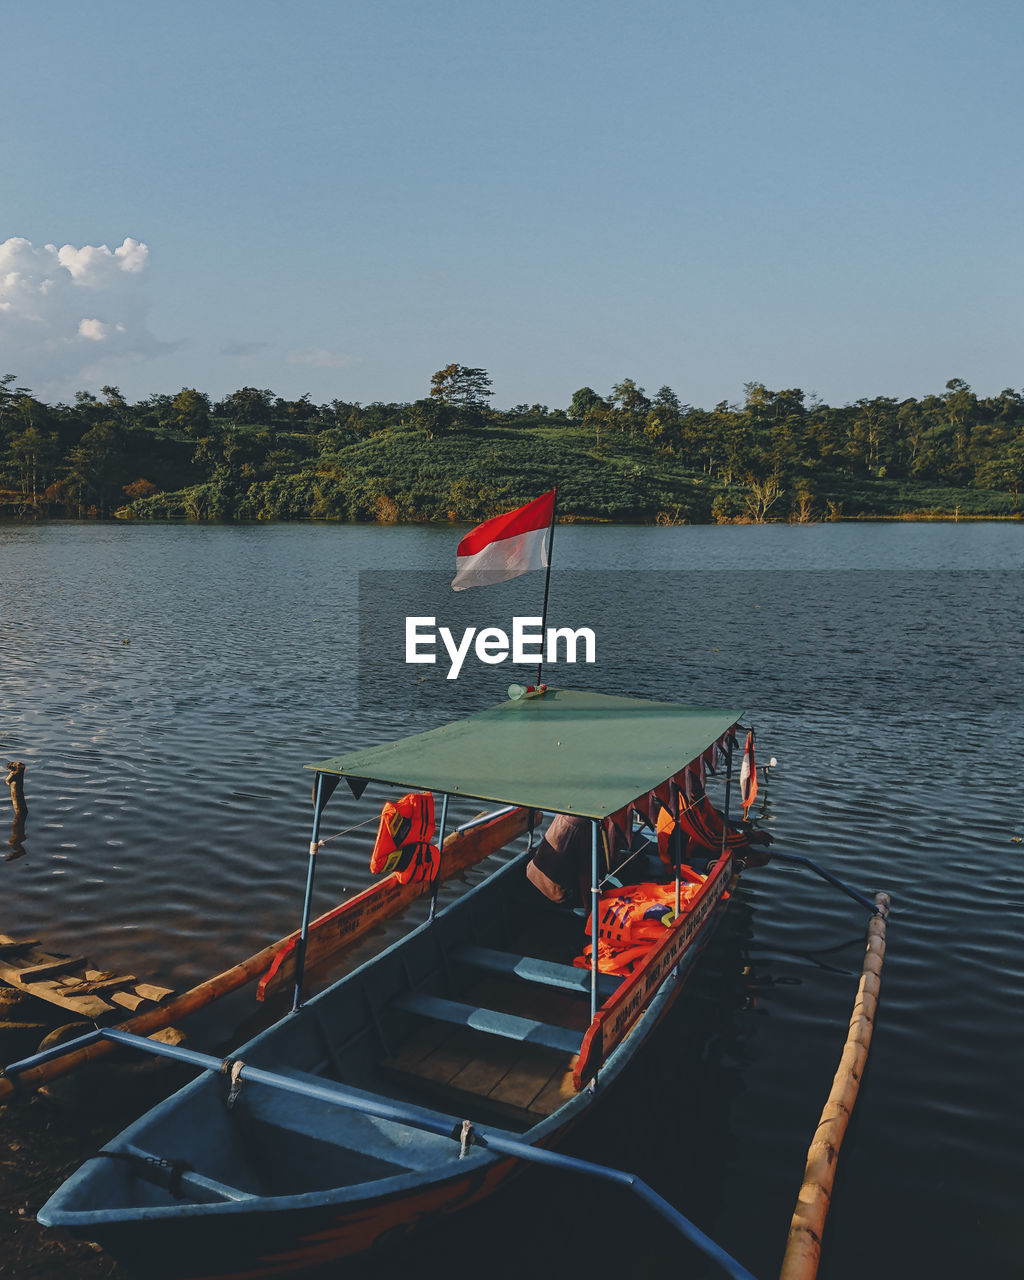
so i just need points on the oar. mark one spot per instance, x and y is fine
(798, 860)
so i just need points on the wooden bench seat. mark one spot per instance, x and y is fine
(491, 1022)
(545, 972)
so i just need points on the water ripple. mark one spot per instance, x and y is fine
(165, 686)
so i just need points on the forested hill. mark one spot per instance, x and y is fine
(451, 456)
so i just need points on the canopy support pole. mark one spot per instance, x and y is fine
(435, 883)
(300, 948)
(676, 845)
(728, 789)
(595, 904)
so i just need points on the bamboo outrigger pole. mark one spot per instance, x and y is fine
(803, 1249)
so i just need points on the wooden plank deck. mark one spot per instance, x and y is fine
(489, 1077)
(480, 1077)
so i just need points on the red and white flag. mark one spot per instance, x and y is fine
(505, 546)
(748, 775)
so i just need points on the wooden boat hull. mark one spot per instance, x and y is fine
(277, 1185)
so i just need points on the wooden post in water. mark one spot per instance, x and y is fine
(16, 781)
(803, 1249)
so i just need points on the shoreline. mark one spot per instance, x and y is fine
(906, 517)
(44, 1144)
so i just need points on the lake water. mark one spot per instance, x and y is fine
(166, 684)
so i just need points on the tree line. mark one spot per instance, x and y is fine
(621, 455)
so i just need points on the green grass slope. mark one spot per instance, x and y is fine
(397, 475)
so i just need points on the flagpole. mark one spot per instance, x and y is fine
(547, 584)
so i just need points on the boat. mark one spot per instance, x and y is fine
(326, 939)
(418, 1083)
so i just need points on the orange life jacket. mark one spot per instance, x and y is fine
(616, 960)
(632, 920)
(403, 843)
(665, 825)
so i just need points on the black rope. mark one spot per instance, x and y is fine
(171, 1171)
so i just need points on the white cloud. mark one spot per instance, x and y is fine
(321, 358)
(93, 265)
(62, 309)
(94, 329)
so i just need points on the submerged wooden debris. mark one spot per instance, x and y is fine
(71, 982)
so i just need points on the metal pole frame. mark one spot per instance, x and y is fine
(595, 905)
(728, 788)
(300, 946)
(797, 860)
(435, 883)
(676, 845)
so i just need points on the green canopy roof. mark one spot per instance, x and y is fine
(579, 753)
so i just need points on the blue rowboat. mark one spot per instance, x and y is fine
(419, 1082)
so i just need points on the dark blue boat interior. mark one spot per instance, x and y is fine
(466, 1015)
(477, 1015)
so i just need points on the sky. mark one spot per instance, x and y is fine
(339, 197)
